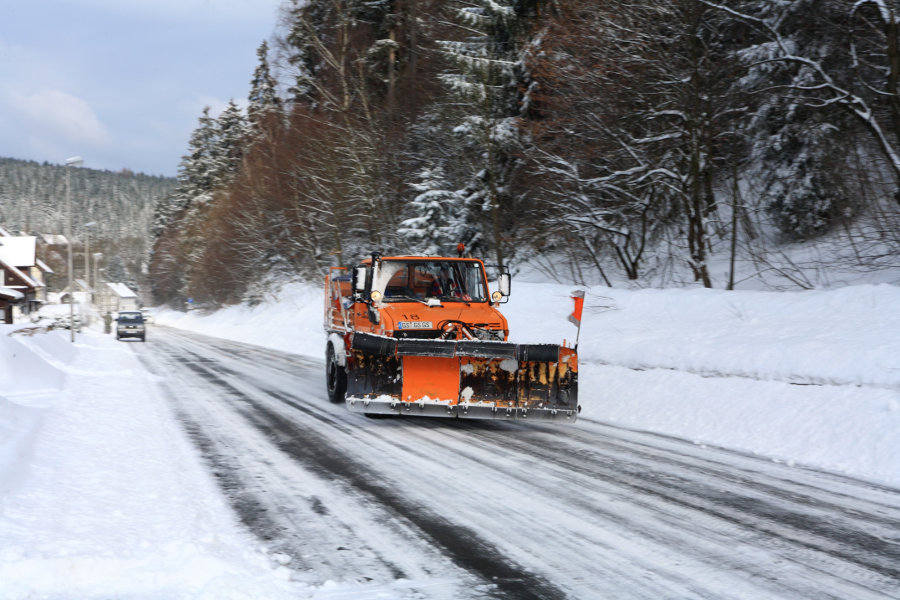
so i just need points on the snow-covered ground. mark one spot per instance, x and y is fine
(102, 495)
(808, 377)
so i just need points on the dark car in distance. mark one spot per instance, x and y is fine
(130, 324)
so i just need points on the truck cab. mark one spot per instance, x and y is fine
(418, 297)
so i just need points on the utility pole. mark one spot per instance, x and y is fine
(87, 257)
(70, 162)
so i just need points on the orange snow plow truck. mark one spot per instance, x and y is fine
(422, 336)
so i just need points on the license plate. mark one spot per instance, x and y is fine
(415, 325)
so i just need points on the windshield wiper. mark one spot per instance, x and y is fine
(414, 299)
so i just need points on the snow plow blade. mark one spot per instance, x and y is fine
(461, 379)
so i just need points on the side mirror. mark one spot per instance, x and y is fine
(359, 280)
(504, 283)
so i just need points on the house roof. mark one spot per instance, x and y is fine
(121, 290)
(18, 273)
(18, 250)
(77, 285)
(44, 266)
(55, 239)
(10, 294)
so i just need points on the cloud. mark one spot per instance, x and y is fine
(56, 114)
(197, 11)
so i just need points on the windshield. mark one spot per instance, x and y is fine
(451, 281)
(130, 317)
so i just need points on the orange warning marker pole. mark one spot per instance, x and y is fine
(575, 317)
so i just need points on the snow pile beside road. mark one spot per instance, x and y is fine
(24, 368)
(292, 323)
(809, 377)
(25, 378)
(101, 493)
(842, 336)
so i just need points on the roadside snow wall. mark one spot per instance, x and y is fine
(30, 379)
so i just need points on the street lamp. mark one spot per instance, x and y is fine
(70, 162)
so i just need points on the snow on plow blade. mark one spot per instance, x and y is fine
(461, 378)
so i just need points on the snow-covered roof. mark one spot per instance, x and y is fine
(121, 290)
(18, 250)
(78, 285)
(55, 239)
(43, 266)
(20, 274)
(10, 294)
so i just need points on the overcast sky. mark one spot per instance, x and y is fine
(122, 82)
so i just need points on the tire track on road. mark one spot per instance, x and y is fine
(462, 546)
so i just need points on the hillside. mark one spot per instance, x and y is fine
(121, 205)
(649, 144)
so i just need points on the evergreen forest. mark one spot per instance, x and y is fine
(690, 142)
(111, 214)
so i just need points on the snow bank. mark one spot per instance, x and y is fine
(808, 377)
(101, 493)
(292, 323)
(24, 354)
(26, 378)
(843, 336)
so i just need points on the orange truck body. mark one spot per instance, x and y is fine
(423, 336)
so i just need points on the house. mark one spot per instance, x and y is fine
(8, 298)
(115, 297)
(20, 272)
(79, 290)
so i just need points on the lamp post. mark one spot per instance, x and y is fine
(70, 162)
(87, 256)
(97, 257)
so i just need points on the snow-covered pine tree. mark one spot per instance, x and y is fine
(215, 150)
(213, 158)
(486, 83)
(196, 171)
(323, 54)
(264, 108)
(301, 56)
(441, 216)
(827, 69)
(231, 140)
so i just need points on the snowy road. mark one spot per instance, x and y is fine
(503, 510)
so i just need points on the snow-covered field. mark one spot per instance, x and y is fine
(103, 496)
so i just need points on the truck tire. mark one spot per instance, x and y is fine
(335, 377)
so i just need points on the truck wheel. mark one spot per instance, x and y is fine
(335, 377)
